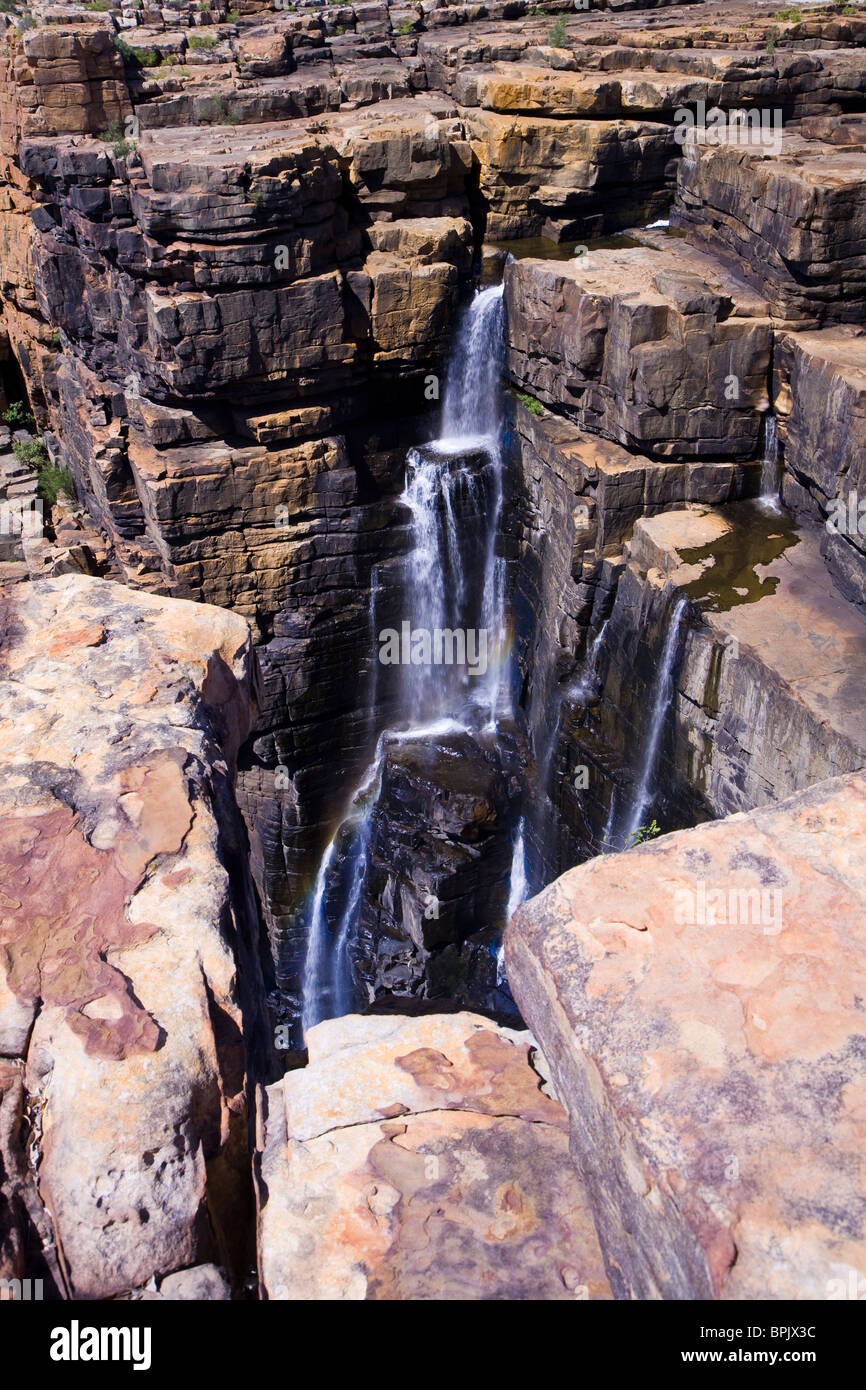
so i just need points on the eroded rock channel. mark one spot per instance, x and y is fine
(433, 641)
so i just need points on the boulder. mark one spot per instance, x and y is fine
(699, 1001)
(132, 995)
(421, 1158)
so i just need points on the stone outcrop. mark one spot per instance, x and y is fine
(422, 1158)
(821, 408)
(696, 1002)
(131, 995)
(654, 348)
(793, 220)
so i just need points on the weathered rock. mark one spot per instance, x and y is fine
(699, 1003)
(130, 936)
(821, 407)
(793, 220)
(653, 348)
(570, 179)
(421, 1158)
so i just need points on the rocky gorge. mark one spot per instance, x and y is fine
(432, 582)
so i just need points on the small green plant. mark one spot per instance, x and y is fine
(772, 40)
(101, 5)
(339, 31)
(26, 22)
(136, 57)
(643, 834)
(198, 42)
(256, 198)
(532, 405)
(51, 482)
(404, 27)
(558, 36)
(31, 452)
(233, 16)
(17, 417)
(55, 338)
(7, 6)
(203, 6)
(790, 15)
(114, 136)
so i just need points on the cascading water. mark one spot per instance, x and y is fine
(580, 690)
(661, 704)
(454, 583)
(769, 498)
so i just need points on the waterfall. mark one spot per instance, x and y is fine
(661, 702)
(518, 887)
(518, 891)
(454, 582)
(770, 467)
(580, 690)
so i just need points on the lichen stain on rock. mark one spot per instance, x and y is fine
(64, 905)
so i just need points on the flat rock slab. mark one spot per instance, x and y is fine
(420, 1158)
(701, 1004)
(762, 586)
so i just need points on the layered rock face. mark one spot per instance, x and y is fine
(233, 250)
(132, 1029)
(696, 1003)
(422, 1159)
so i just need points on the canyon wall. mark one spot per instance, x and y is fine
(234, 250)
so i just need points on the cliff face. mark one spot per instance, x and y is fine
(235, 247)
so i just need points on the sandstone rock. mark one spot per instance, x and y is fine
(712, 1065)
(655, 349)
(129, 928)
(821, 406)
(570, 179)
(793, 221)
(420, 1158)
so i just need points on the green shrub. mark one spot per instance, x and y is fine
(114, 136)
(17, 417)
(233, 16)
(202, 41)
(7, 6)
(31, 452)
(101, 5)
(404, 27)
(791, 15)
(558, 36)
(532, 405)
(52, 481)
(136, 57)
